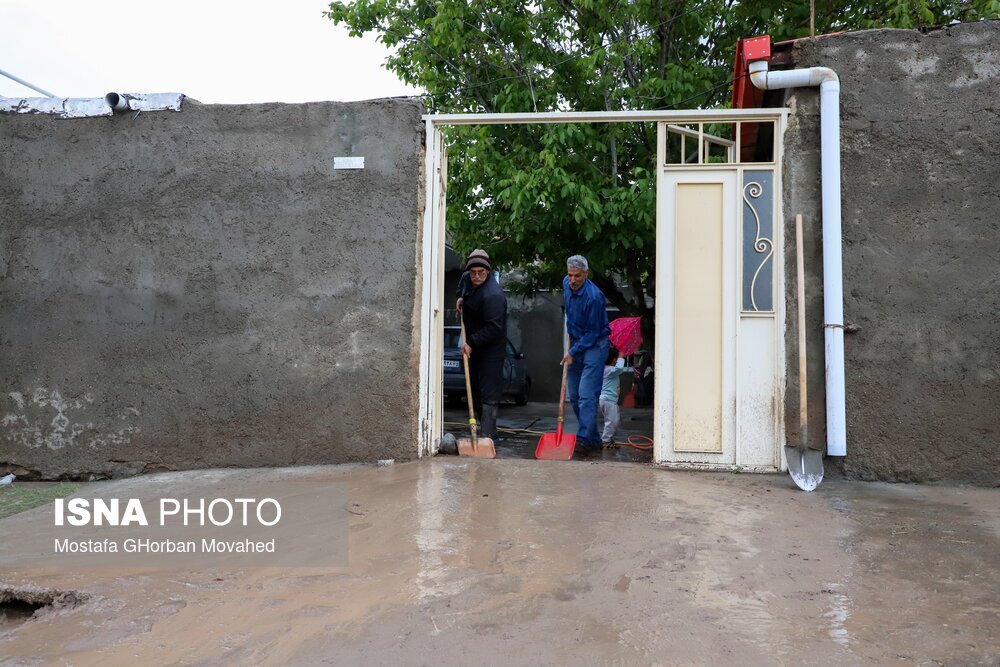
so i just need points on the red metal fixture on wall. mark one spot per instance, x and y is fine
(745, 94)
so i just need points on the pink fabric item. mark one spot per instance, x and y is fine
(626, 334)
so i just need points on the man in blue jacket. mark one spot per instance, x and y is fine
(587, 323)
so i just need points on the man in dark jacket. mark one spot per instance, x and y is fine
(484, 311)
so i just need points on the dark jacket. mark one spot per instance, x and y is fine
(484, 310)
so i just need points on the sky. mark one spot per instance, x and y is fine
(216, 51)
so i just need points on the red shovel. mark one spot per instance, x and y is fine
(557, 446)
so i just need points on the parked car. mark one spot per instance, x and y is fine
(516, 383)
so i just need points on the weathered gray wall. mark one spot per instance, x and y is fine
(921, 217)
(535, 327)
(201, 288)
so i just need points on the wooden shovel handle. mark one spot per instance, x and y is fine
(468, 388)
(800, 275)
(562, 393)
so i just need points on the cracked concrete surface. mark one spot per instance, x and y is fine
(462, 561)
(204, 289)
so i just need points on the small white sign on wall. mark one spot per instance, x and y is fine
(349, 163)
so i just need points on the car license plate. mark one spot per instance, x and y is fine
(450, 363)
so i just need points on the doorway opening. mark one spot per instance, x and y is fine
(706, 180)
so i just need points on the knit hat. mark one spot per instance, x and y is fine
(478, 258)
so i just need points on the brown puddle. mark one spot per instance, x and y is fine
(462, 562)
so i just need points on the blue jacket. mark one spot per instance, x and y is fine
(609, 388)
(586, 316)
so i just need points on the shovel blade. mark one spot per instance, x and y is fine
(551, 447)
(484, 449)
(805, 466)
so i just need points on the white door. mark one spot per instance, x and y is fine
(696, 317)
(719, 315)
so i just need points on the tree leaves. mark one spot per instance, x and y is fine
(534, 194)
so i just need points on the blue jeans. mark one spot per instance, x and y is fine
(584, 380)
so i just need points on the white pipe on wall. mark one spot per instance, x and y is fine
(116, 101)
(833, 273)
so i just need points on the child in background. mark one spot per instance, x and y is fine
(614, 368)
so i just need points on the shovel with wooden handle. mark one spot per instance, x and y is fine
(482, 448)
(805, 465)
(558, 446)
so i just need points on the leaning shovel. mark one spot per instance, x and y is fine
(482, 448)
(805, 465)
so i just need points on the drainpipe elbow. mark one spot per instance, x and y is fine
(791, 78)
(758, 74)
(827, 80)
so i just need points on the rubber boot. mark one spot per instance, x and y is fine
(489, 420)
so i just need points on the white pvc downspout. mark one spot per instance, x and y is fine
(833, 273)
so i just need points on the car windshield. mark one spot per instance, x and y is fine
(451, 337)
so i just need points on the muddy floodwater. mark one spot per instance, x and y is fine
(522, 562)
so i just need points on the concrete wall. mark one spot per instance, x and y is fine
(201, 288)
(535, 327)
(921, 218)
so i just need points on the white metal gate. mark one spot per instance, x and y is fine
(720, 290)
(720, 298)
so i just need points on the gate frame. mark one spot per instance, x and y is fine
(431, 242)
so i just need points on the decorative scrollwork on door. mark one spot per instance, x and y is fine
(758, 241)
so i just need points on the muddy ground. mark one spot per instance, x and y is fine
(520, 426)
(519, 562)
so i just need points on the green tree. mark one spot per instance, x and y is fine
(534, 194)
